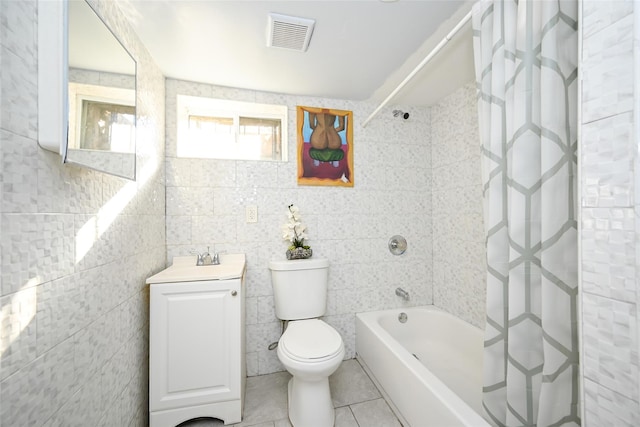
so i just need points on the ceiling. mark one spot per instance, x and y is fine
(360, 50)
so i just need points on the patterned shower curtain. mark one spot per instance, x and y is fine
(526, 71)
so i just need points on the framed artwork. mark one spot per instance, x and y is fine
(325, 146)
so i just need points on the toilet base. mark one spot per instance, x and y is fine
(310, 403)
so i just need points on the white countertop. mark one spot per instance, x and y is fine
(184, 269)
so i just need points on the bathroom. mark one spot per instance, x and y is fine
(77, 245)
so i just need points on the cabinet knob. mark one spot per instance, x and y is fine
(234, 293)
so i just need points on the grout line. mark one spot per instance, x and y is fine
(354, 416)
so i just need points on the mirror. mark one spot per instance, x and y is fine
(101, 95)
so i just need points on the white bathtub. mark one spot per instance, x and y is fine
(429, 368)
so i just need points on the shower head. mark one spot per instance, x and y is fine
(400, 113)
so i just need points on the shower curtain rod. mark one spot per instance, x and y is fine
(424, 62)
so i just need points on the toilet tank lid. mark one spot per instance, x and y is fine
(298, 264)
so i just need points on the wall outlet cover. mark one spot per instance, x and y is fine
(251, 213)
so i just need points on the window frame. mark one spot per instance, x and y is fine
(187, 106)
(81, 92)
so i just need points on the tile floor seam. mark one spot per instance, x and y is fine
(367, 400)
(354, 416)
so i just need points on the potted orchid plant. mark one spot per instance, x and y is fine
(294, 231)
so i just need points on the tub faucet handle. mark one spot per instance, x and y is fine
(402, 294)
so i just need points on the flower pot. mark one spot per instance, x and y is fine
(299, 253)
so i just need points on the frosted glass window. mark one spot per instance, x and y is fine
(221, 129)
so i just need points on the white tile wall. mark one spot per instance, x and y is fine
(607, 161)
(206, 202)
(73, 335)
(608, 408)
(607, 68)
(609, 214)
(608, 253)
(610, 334)
(459, 266)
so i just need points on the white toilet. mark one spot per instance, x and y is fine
(309, 349)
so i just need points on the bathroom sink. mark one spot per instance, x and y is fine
(184, 269)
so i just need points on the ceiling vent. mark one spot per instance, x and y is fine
(289, 32)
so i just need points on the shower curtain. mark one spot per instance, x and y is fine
(526, 72)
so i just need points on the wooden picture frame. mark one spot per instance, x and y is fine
(325, 146)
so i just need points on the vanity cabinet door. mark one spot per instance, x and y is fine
(195, 343)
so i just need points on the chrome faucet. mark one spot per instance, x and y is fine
(402, 294)
(205, 258)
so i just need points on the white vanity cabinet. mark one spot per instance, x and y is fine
(196, 342)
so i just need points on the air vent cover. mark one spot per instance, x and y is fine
(289, 32)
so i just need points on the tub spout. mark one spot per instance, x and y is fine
(402, 294)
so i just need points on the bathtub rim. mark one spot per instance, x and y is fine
(449, 399)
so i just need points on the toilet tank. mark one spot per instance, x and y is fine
(300, 287)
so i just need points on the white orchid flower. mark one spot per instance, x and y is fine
(294, 229)
(294, 213)
(287, 232)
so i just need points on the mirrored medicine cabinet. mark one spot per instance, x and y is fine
(87, 89)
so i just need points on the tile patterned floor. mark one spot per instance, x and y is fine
(357, 401)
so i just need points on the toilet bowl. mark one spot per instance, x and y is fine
(310, 351)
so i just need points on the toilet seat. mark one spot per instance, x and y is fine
(310, 341)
